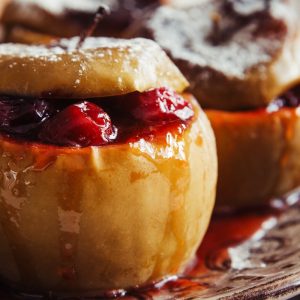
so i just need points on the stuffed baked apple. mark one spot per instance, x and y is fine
(108, 171)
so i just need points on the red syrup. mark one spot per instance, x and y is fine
(226, 231)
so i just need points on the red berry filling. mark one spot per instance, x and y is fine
(161, 105)
(23, 116)
(95, 122)
(79, 125)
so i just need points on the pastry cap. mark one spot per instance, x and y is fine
(100, 67)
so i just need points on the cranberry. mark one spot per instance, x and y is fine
(22, 116)
(79, 125)
(161, 105)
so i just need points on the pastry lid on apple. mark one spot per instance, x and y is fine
(108, 171)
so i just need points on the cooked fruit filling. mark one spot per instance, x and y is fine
(93, 122)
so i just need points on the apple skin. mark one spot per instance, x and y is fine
(258, 154)
(98, 218)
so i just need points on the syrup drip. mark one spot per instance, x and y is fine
(69, 214)
(13, 199)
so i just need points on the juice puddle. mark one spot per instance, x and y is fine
(225, 232)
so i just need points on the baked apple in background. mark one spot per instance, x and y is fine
(238, 55)
(258, 154)
(32, 21)
(242, 58)
(108, 171)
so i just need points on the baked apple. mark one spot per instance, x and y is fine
(237, 55)
(258, 151)
(108, 171)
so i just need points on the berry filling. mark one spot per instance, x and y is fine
(160, 105)
(82, 124)
(93, 122)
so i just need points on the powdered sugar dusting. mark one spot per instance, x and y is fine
(99, 67)
(69, 46)
(184, 34)
(58, 7)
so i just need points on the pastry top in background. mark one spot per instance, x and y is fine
(66, 18)
(236, 54)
